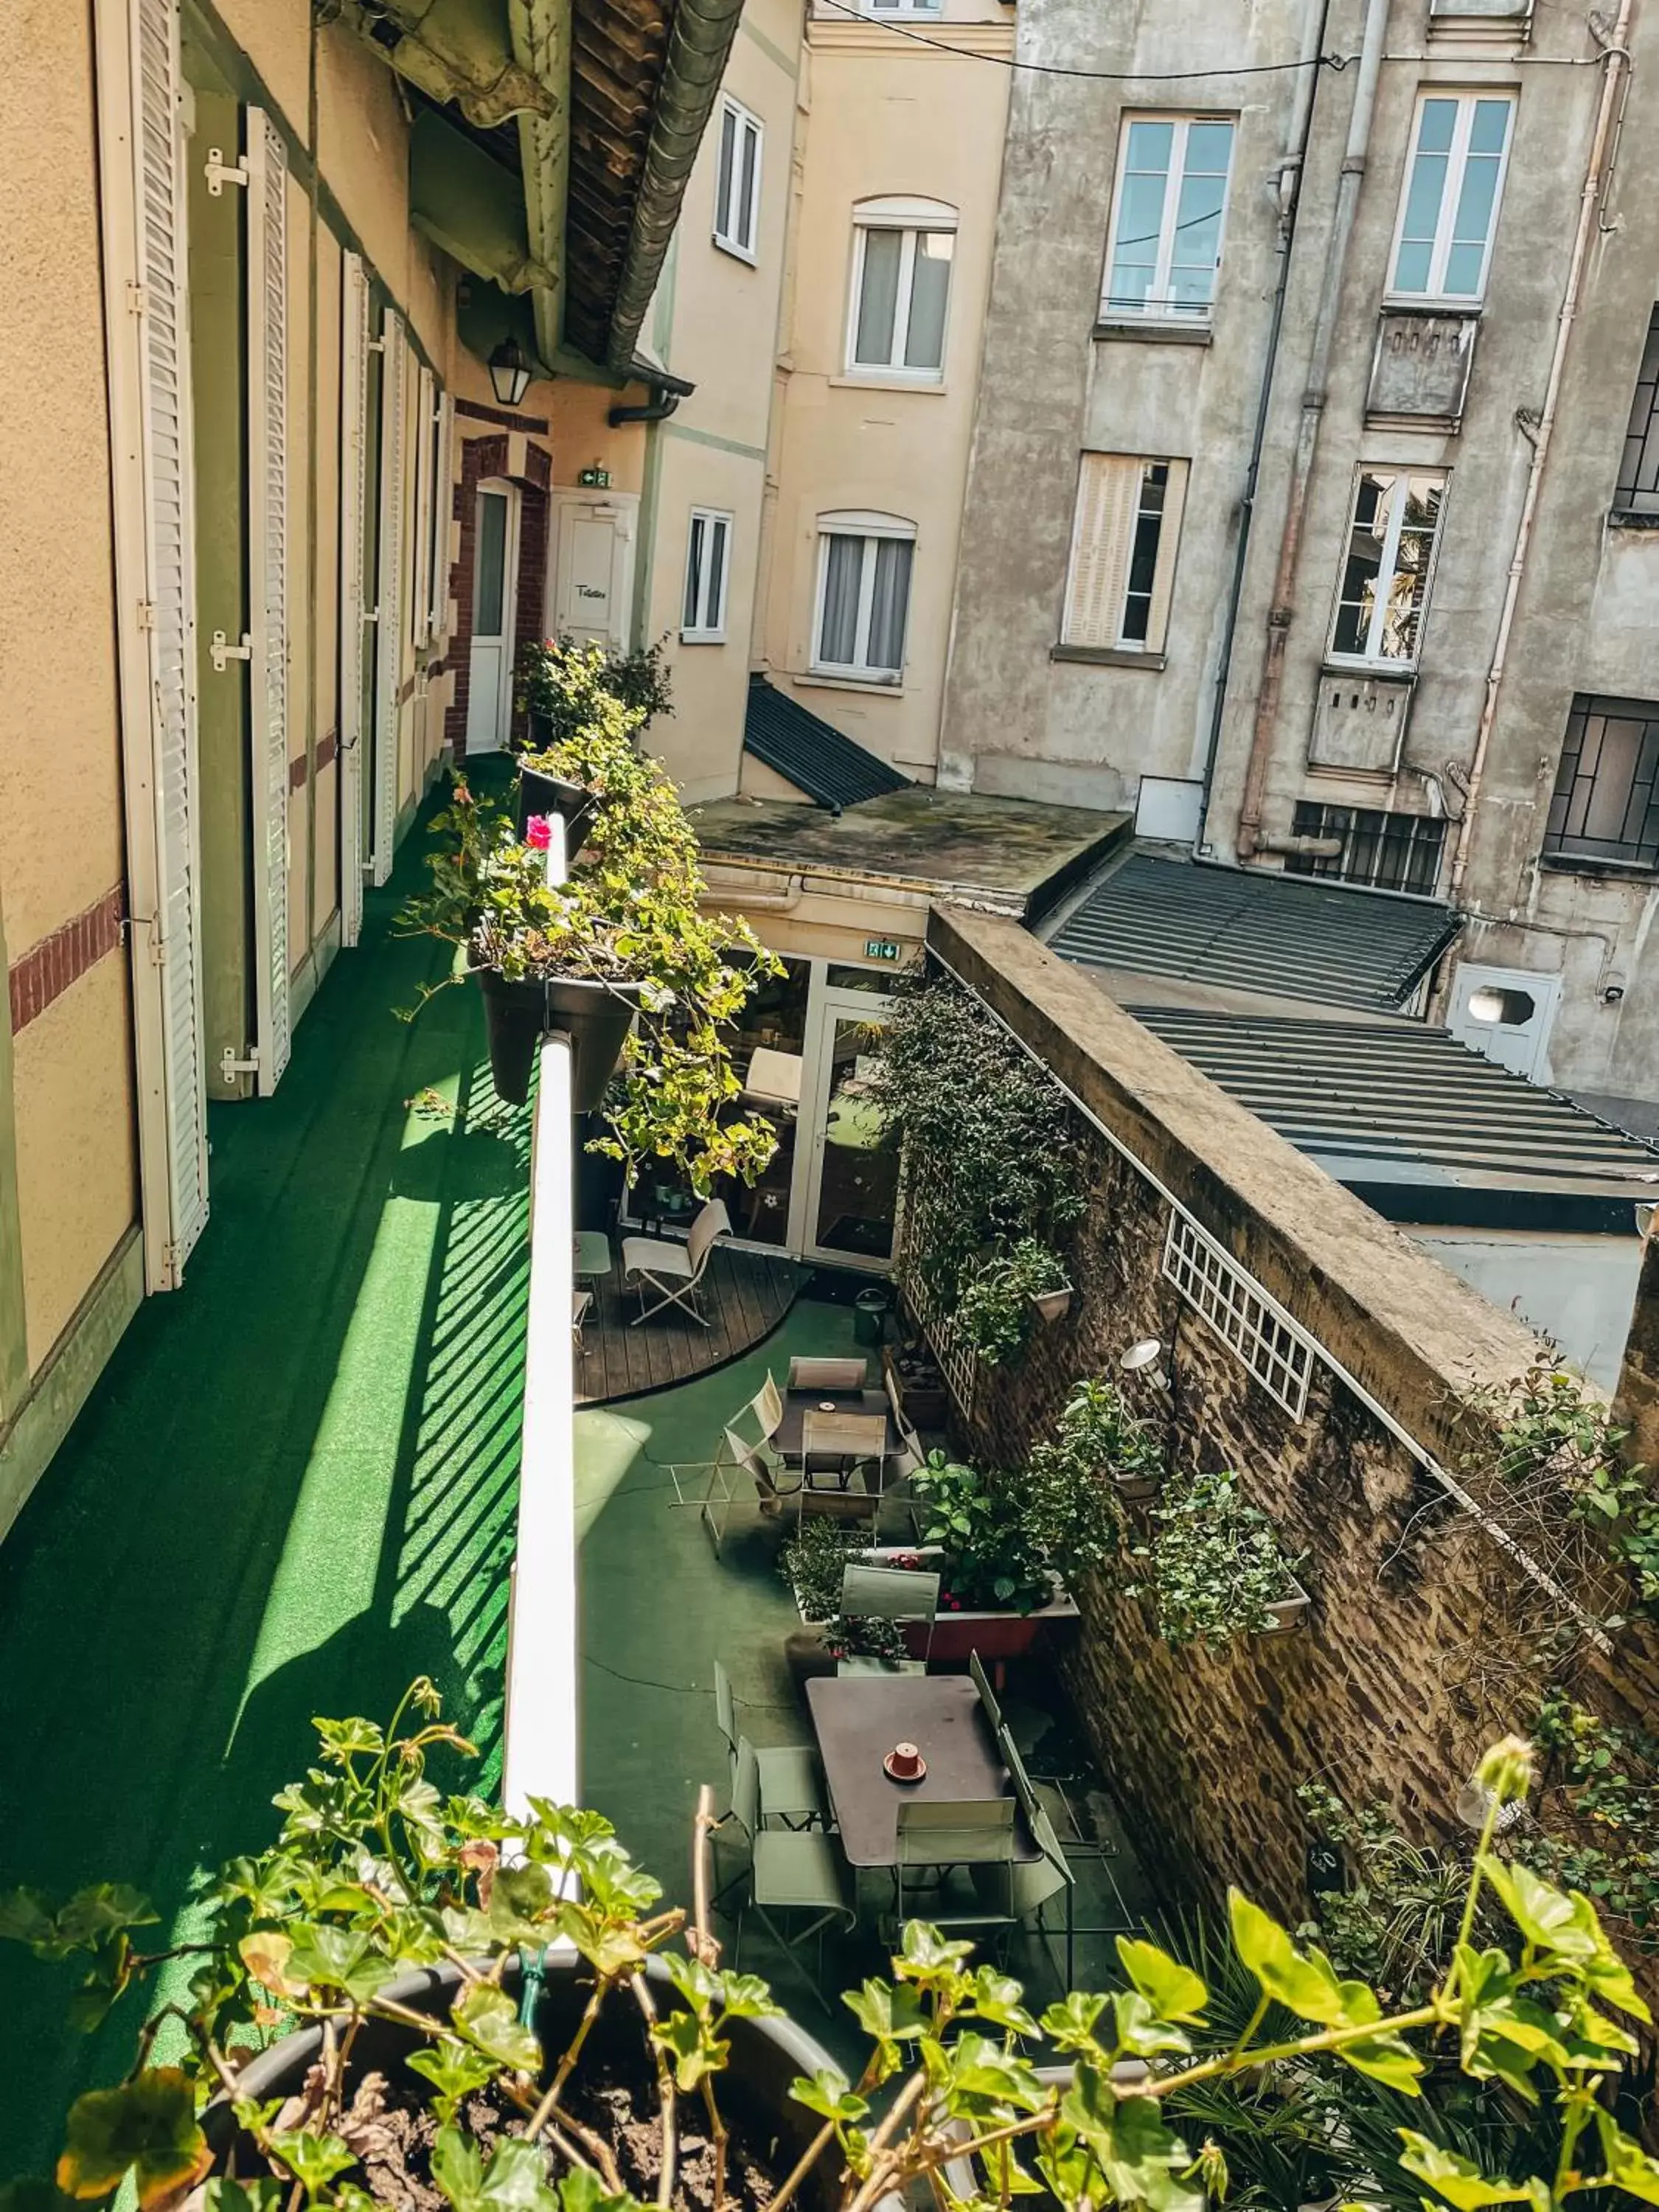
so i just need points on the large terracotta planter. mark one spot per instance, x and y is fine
(766, 2056)
(957, 1636)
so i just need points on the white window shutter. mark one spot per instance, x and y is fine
(1168, 537)
(389, 626)
(266, 274)
(443, 503)
(1108, 487)
(169, 504)
(353, 500)
(420, 597)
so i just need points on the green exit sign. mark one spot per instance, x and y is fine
(595, 479)
(880, 948)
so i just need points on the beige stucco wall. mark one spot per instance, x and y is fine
(885, 117)
(76, 1182)
(61, 839)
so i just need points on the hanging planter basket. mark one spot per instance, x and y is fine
(539, 792)
(1133, 1485)
(1053, 1305)
(597, 1018)
(1287, 1613)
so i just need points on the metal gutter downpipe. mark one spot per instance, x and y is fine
(1616, 57)
(1307, 436)
(1292, 169)
(698, 46)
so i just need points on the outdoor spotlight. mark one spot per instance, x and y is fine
(509, 372)
(1143, 1359)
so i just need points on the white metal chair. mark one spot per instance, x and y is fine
(828, 1374)
(675, 1270)
(774, 1079)
(896, 1593)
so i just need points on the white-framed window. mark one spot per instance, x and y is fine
(1167, 215)
(737, 180)
(863, 595)
(1124, 532)
(708, 559)
(903, 250)
(934, 8)
(1384, 585)
(1448, 204)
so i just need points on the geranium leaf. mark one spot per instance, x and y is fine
(146, 2128)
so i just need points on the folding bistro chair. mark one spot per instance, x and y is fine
(675, 1270)
(896, 1594)
(828, 1374)
(940, 1833)
(788, 1870)
(1036, 1882)
(788, 1773)
(987, 1696)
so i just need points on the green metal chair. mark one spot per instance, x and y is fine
(937, 1834)
(789, 1788)
(896, 1593)
(987, 1696)
(790, 1871)
(1037, 1883)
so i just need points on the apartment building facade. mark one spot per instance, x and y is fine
(1310, 509)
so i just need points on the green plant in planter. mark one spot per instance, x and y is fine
(1213, 1568)
(629, 913)
(812, 1562)
(996, 1314)
(375, 1873)
(1071, 1504)
(992, 1560)
(560, 683)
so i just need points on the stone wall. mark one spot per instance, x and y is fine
(1401, 1673)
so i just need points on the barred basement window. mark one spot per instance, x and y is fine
(1637, 490)
(1605, 808)
(1241, 1313)
(1389, 851)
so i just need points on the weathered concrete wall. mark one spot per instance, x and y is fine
(1392, 1688)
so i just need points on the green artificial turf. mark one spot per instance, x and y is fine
(291, 1491)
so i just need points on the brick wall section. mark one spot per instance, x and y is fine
(1384, 1693)
(482, 457)
(48, 969)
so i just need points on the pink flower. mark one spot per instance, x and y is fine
(538, 832)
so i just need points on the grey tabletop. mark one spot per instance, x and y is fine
(797, 1404)
(858, 1719)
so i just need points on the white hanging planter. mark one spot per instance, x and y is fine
(1287, 1613)
(1053, 1305)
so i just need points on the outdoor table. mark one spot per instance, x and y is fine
(592, 1257)
(858, 1719)
(790, 1440)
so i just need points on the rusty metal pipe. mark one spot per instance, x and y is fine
(1307, 437)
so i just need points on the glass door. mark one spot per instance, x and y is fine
(851, 1173)
(494, 577)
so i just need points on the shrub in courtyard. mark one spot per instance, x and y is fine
(992, 1559)
(558, 684)
(627, 924)
(376, 1873)
(1073, 1479)
(1213, 1568)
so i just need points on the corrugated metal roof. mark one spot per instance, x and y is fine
(816, 758)
(1257, 929)
(1424, 1128)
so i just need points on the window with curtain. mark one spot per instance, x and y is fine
(737, 180)
(864, 596)
(1384, 585)
(903, 252)
(1449, 208)
(1167, 214)
(1125, 529)
(703, 616)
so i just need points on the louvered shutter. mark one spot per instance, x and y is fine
(158, 144)
(1168, 536)
(420, 597)
(353, 503)
(267, 447)
(443, 504)
(1108, 492)
(389, 624)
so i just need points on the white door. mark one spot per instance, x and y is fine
(1507, 1013)
(354, 514)
(594, 572)
(267, 406)
(389, 608)
(494, 573)
(847, 1180)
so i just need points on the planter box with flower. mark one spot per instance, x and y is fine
(620, 955)
(1213, 1568)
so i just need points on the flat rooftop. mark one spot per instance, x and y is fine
(1010, 853)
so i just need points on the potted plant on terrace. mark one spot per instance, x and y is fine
(389, 1929)
(1213, 1568)
(1007, 1294)
(1098, 1437)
